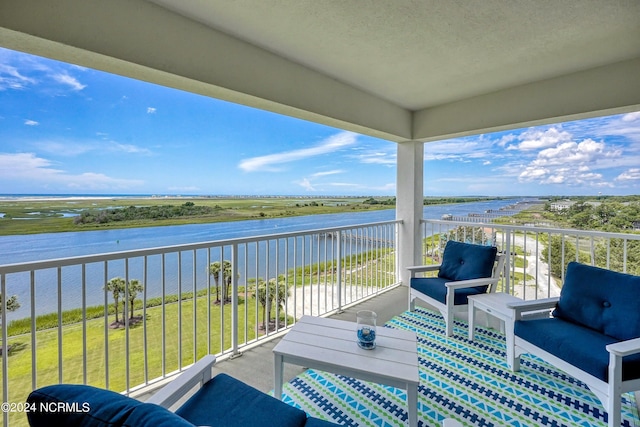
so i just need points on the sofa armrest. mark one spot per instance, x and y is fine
(625, 348)
(198, 373)
(423, 268)
(520, 307)
(471, 283)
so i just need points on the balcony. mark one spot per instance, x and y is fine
(223, 297)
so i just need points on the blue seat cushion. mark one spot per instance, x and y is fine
(96, 407)
(436, 289)
(603, 300)
(580, 346)
(227, 402)
(464, 261)
(316, 422)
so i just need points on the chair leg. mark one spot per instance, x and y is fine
(448, 319)
(412, 304)
(614, 411)
(513, 361)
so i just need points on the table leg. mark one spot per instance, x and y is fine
(472, 319)
(278, 372)
(412, 404)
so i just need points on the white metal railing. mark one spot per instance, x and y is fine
(205, 298)
(537, 256)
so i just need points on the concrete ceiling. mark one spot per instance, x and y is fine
(396, 69)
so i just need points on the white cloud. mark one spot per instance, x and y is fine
(76, 148)
(268, 162)
(306, 184)
(570, 163)
(11, 78)
(632, 174)
(31, 123)
(627, 126)
(506, 139)
(377, 158)
(534, 139)
(68, 80)
(459, 150)
(40, 171)
(127, 148)
(326, 173)
(151, 110)
(631, 117)
(587, 151)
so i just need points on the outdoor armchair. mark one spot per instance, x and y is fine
(221, 401)
(466, 269)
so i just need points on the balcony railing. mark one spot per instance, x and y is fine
(537, 256)
(206, 298)
(224, 296)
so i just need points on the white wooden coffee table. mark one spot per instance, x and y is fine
(330, 345)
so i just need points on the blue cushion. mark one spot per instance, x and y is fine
(436, 289)
(603, 300)
(464, 261)
(581, 347)
(227, 402)
(104, 408)
(316, 422)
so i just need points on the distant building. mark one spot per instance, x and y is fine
(562, 205)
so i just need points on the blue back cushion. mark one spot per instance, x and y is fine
(464, 261)
(227, 402)
(88, 406)
(600, 299)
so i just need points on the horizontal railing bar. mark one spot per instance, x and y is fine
(585, 233)
(113, 256)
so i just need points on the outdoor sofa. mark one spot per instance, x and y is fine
(221, 401)
(593, 334)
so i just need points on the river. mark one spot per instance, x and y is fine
(37, 247)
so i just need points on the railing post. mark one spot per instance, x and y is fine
(339, 268)
(508, 263)
(234, 301)
(5, 355)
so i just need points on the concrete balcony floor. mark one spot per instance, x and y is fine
(255, 366)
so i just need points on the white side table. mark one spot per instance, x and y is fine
(494, 304)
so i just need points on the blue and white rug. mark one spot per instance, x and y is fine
(460, 379)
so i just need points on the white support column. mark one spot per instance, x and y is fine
(409, 205)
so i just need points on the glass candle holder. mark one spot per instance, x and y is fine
(366, 329)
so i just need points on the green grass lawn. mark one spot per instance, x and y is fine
(178, 333)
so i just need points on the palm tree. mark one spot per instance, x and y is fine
(133, 288)
(117, 287)
(266, 293)
(214, 270)
(12, 303)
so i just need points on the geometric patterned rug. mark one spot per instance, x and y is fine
(460, 379)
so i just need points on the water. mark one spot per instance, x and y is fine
(37, 247)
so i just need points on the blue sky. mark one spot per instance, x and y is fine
(66, 129)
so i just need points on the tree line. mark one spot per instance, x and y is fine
(610, 216)
(132, 213)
